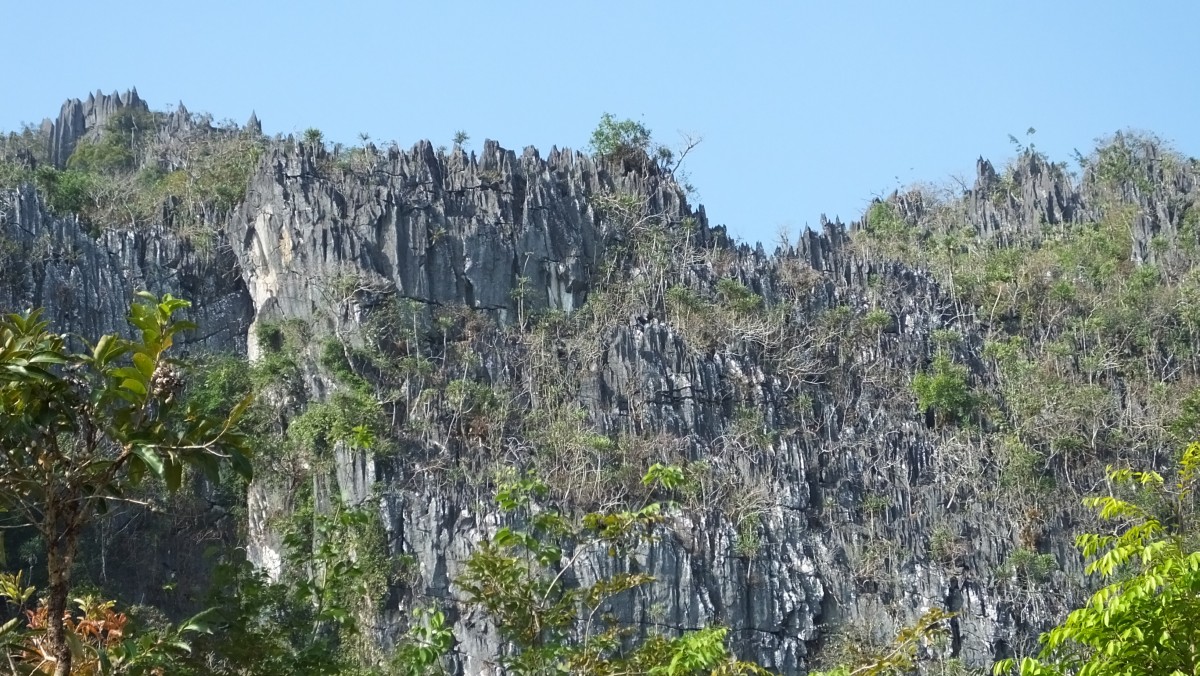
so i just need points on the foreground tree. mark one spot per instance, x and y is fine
(1146, 619)
(79, 429)
(527, 583)
(99, 635)
(901, 655)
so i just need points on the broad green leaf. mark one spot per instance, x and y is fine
(10, 626)
(240, 408)
(129, 372)
(134, 386)
(150, 456)
(172, 473)
(48, 358)
(200, 622)
(152, 338)
(181, 645)
(144, 364)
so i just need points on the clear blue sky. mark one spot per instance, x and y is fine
(805, 107)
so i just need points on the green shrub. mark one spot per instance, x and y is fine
(876, 503)
(12, 257)
(117, 148)
(289, 335)
(877, 321)
(883, 221)
(221, 176)
(683, 300)
(946, 338)
(217, 175)
(615, 139)
(748, 426)
(1186, 425)
(218, 382)
(333, 357)
(276, 369)
(1189, 227)
(350, 416)
(468, 396)
(14, 175)
(748, 543)
(101, 156)
(944, 388)
(944, 544)
(1026, 565)
(738, 297)
(1022, 468)
(67, 192)
(1125, 159)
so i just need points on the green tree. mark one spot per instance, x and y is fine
(520, 578)
(309, 620)
(616, 139)
(102, 639)
(79, 429)
(314, 137)
(1146, 619)
(118, 148)
(427, 641)
(68, 192)
(944, 389)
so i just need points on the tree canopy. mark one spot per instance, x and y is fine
(79, 429)
(1146, 618)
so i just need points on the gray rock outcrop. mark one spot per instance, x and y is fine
(86, 282)
(77, 118)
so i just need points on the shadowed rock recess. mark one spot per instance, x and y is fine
(832, 512)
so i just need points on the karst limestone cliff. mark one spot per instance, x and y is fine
(840, 509)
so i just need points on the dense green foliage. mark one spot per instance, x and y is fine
(20, 151)
(100, 638)
(125, 139)
(630, 140)
(1089, 328)
(310, 621)
(96, 423)
(616, 139)
(944, 389)
(78, 430)
(1146, 619)
(66, 191)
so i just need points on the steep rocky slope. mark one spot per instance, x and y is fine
(590, 299)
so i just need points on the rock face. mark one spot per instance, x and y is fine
(85, 283)
(77, 118)
(850, 486)
(1036, 192)
(440, 230)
